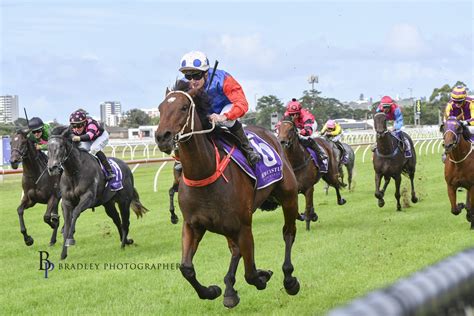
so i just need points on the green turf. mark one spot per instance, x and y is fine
(350, 251)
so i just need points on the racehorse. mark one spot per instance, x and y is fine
(459, 166)
(390, 162)
(218, 196)
(38, 185)
(306, 171)
(83, 186)
(349, 163)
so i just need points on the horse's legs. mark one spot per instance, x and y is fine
(258, 278)
(111, 211)
(385, 185)
(52, 214)
(398, 181)
(171, 192)
(291, 284)
(455, 208)
(84, 203)
(414, 199)
(190, 242)
(470, 207)
(378, 193)
(340, 199)
(231, 298)
(124, 207)
(67, 212)
(310, 214)
(25, 204)
(350, 169)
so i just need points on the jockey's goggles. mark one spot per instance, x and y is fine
(78, 125)
(37, 131)
(194, 76)
(386, 105)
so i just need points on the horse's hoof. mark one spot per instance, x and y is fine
(341, 201)
(381, 203)
(293, 287)
(458, 209)
(414, 199)
(213, 292)
(174, 219)
(29, 241)
(314, 217)
(231, 301)
(399, 208)
(265, 274)
(129, 241)
(301, 217)
(70, 242)
(52, 243)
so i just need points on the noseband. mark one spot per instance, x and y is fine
(61, 161)
(290, 142)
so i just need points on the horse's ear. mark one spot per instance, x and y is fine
(65, 132)
(24, 130)
(167, 91)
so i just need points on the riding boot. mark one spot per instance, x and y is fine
(105, 163)
(341, 148)
(319, 151)
(250, 154)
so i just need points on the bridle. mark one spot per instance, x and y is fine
(385, 131)
(62, 161)
(456, 142)
(181, 136)
(289, 142)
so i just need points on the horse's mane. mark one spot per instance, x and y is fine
(61, 130)
(201, 100)
(287, 118)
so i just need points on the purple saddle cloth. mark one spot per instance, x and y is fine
(268, 170)
(322, 165)
(116, 183)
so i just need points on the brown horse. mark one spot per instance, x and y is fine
(390, 161)
(222, 199)
(459, 166)
(38, 185)
(306, 171)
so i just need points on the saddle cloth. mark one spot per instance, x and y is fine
(322, 165)
(268, 170)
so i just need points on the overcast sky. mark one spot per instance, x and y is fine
(61, 55)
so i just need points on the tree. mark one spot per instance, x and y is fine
(266, 105)
(135, 118)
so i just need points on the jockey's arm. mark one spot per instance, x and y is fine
(398, 124)
(324, 129)
(236, 96)
(471, 109)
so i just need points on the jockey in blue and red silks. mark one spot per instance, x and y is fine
(304, 122)
(393, 113)
(226, 96)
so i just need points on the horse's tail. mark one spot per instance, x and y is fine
(137, 206)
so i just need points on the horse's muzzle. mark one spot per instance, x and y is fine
(14, 164)
(164, 141)
(448, 148)
(54, 170)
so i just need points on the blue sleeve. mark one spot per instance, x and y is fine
(398, 119)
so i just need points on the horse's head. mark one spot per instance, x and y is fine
(59, 149)
(380, 124)
(452, 133)
(177, 113)
(287, 132)
(19, 147)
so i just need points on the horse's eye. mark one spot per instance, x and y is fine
(184, 108)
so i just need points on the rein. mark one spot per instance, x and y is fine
(61, 162)
(308, 157)
(456, 142)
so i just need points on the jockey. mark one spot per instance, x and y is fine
(92, 137)
(333, 131)
(304, 122)
(39, 133)
(460, 106)
(227, 99)
(393, 113)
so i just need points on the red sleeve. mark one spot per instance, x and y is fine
(308, 119)
(235, 94)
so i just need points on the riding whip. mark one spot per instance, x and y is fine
(213, 73)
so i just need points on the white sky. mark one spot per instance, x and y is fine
(61, 55)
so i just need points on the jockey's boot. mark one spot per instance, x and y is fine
(105, 163)
(342, 149)
(319, 151)
(250, 154)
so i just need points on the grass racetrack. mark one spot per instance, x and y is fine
(351, 250)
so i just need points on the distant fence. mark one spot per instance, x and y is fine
(446, 288)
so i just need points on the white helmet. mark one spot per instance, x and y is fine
(194, 60)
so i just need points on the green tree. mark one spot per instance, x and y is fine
(135, 118)
(266, 105)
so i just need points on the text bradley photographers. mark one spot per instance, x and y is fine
(82, 266)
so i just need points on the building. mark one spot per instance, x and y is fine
(142, 132)
(153, 112)
(111, 113)
(8, 108)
